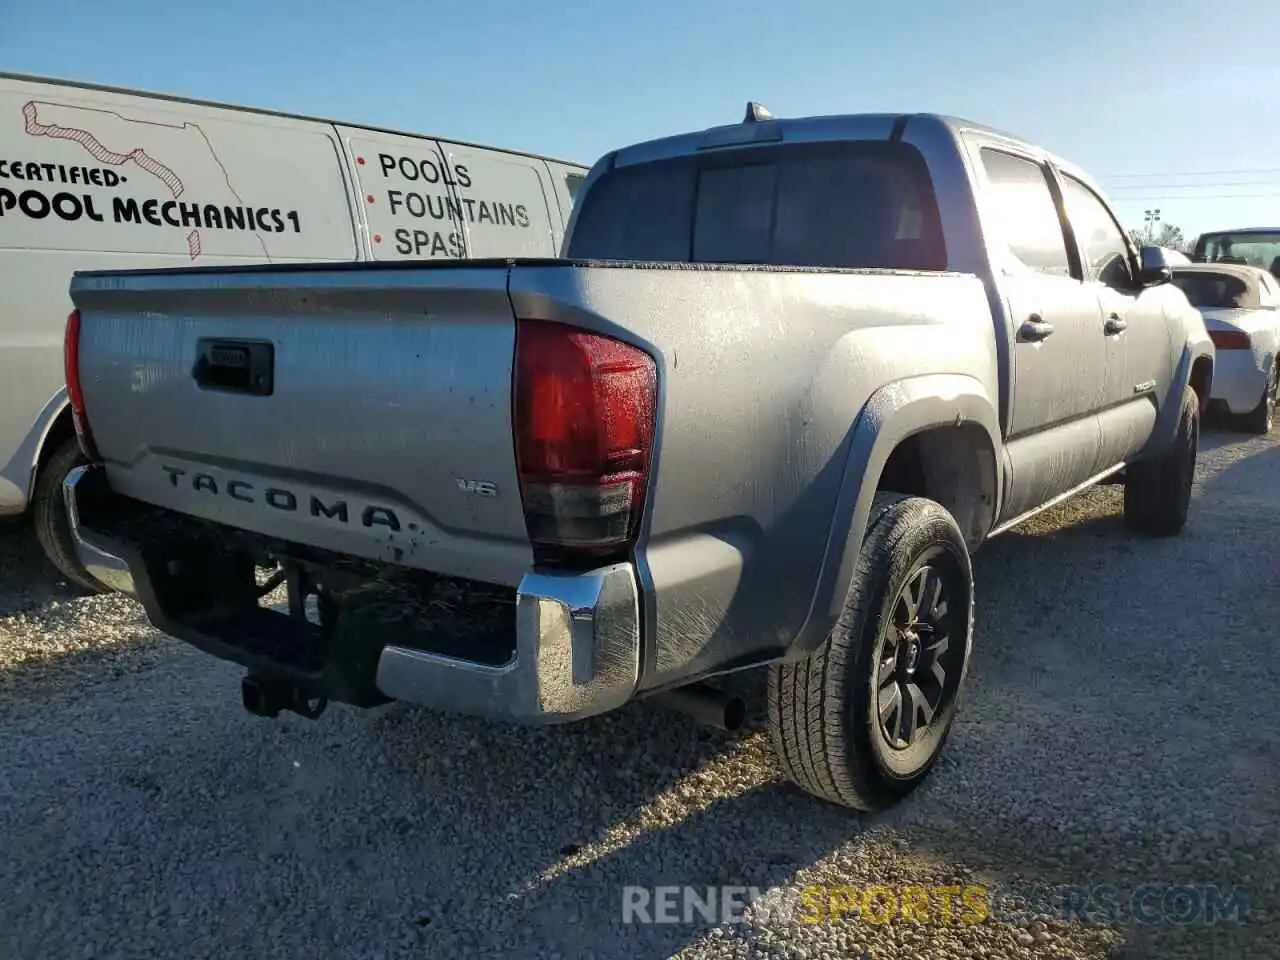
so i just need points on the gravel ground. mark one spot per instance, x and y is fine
(1119, 728)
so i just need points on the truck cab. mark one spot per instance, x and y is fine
(1255, 246)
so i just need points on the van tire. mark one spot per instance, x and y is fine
(1157, 493)
(49, 517)
(826, 712)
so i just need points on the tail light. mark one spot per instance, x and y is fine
(584, 415)
(1229, 339)
(75, 395)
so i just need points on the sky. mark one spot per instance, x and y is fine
(1171, 105)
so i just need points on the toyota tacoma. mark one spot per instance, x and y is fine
(787, 375)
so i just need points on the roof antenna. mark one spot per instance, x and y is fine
(756, 113)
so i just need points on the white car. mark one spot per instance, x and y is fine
(1241, 309)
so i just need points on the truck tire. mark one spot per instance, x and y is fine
(908, 624)
(1157, 493)
(1262, 418)
(49, 516)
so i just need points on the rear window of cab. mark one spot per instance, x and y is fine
(848, 205)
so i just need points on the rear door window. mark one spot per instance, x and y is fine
(1026, 213)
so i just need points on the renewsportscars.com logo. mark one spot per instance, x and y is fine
(1101, 905)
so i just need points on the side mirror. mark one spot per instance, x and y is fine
(1153, 267)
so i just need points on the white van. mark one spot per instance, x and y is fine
(94, 177)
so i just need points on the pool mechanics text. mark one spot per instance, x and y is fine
(42, 191)
(433, 191)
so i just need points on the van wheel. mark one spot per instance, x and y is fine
(1157, 493)
(861, 721)
(1262, 418)
(49, 514)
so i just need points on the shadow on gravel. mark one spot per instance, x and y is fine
(27, 579)
(1254, 479)
(1119, 728)
(54, 636)
(613, 806)
(45, 666)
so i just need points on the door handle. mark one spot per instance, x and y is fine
(1114, 325)
(1035, 330)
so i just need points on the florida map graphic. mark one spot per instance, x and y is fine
(154, 148)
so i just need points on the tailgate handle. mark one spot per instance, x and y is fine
(235, 366)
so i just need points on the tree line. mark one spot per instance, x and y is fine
(1165, 235)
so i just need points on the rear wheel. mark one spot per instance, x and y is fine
(49, 516)
(1262, 417)
(863, 719)
(1157, 493)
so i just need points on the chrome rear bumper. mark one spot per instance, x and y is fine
(577, 654)
(577, 636)
(105, 566)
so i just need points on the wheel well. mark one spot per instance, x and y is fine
(954, 466)
(1201, 379)
(60, 431)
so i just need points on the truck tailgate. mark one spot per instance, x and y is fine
(370, 418)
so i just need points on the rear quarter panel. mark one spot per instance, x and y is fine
(1263, 326)
(763, 375)
(1240, 374)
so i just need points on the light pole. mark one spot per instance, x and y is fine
(1151, 218)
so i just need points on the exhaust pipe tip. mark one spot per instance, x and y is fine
(707, 705)
(735, 714)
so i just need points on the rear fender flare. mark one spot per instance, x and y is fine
(1166, 426)
(893, 413)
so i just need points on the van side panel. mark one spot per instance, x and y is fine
(91, 179)
(506, 204)
(406, 209)
(565, 181)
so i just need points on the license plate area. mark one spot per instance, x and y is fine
(235, 366)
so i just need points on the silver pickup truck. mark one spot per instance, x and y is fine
(786, 377)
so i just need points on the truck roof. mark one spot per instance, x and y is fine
(817, 129)
(173, 98)
(1240, 231)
